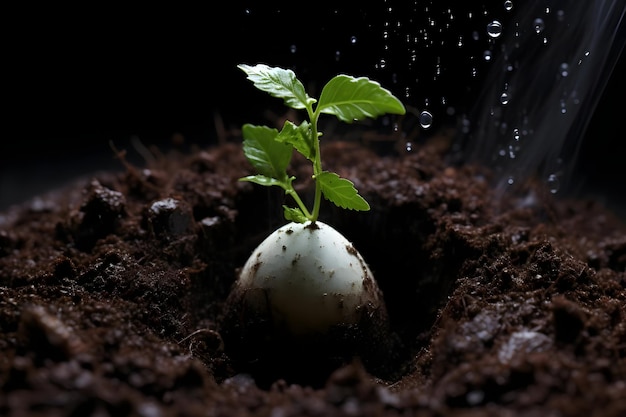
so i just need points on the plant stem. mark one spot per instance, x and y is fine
(292, 192)
(317, 166)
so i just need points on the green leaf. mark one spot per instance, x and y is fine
(341, 192)
(294, 215)
(263, 180)
(299, 137)
(280, 83)
(351, 98)
(269, 157)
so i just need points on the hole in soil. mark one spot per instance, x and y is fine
(392, 240)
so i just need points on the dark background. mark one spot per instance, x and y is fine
(78, 78)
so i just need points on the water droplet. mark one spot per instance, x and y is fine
(504, 98)
(409, 147)
(425, 119)
(494, 29)
(516, 135)
(508, 5)
(560, 15)
(353, 40)
(487, 55)
(512, 152)
(475, 35)
(382, 63)
(553, 183)
(539, 25)
(293, 49)
(465, 124)
(564, 69)
(510, 180)
(337, 55)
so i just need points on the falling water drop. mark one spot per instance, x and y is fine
(293, 49)
(353, 40)
(508, 5)
(487, 55)
(512, 153)
(494, 29)
(425, 119)
(504, 98)
(564, 69)
(553, 183)
(539, 25)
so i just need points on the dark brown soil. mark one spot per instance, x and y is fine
(111, 295)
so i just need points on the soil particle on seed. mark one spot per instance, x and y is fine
(112, 294)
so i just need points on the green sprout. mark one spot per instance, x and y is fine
(270, 151)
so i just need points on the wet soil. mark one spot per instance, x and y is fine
(112, 294)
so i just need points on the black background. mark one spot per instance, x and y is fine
(79, 77)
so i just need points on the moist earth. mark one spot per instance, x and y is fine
(113, 292)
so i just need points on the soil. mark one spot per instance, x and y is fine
(112, 294)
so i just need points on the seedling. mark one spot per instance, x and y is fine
(270, 151)
(306, 279)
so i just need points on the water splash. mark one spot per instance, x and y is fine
(552, 84)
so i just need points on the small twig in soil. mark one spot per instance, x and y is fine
(208, 331)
